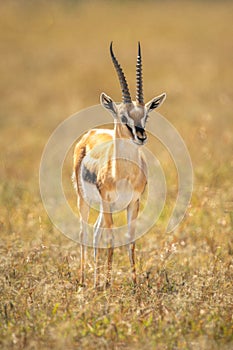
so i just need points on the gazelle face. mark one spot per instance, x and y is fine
(133, 120)
(131, 117)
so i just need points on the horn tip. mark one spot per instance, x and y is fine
(111, 47)
(139, 48)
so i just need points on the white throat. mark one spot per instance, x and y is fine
(124, 149)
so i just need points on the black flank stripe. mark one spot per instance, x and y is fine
(89, 176)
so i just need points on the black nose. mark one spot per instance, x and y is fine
(141, 134)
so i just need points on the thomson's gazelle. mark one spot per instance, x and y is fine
(106, 159)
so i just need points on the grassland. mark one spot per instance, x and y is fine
(54, 62)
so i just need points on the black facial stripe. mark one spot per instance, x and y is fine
(130, 129)
(89, 176)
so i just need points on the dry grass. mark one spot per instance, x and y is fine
(55, 61)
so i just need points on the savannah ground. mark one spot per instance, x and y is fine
(54, 62)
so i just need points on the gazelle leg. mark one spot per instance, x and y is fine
(97, 235)
(82, 254)
(84, 212)
(104, 221)
(132, 213)
(131, 249)
(110, 256)
(108, 223)
(110, 250)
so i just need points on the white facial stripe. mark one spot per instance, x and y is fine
(143, 120)
(131, 121)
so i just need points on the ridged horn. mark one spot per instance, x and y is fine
(139, 86)
(124, 86)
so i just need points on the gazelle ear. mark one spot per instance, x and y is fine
(155, 102)
(108, 103)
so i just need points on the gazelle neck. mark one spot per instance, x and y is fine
(124, 148)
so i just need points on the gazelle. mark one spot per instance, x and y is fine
(105, 158)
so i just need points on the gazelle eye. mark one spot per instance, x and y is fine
(124, 119)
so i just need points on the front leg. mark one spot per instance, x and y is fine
(132, 214)
(104, 222)
(96, 238)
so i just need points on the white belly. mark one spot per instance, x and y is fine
(117, 199)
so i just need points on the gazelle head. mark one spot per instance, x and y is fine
(131, 116)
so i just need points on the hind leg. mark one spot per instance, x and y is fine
(84, 213)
